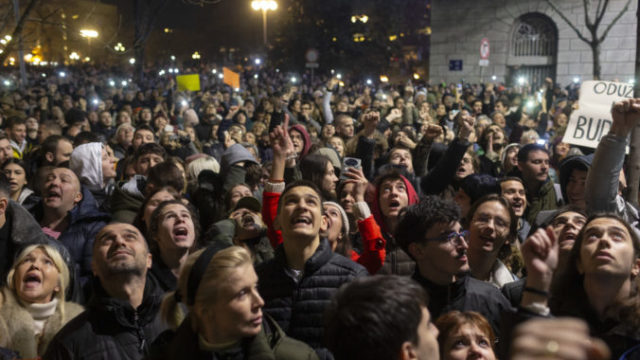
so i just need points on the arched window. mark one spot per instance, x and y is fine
(533, 50)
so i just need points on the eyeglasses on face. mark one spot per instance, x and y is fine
(454, 238)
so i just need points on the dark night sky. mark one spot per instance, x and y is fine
(229, 23)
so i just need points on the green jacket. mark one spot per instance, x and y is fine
(223, 231)
(270, 344)
(545, 199)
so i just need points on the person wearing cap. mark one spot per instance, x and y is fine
(122, 318)
(219, 287)
(245, 228)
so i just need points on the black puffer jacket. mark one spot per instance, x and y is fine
(110, 328)
(298, 305)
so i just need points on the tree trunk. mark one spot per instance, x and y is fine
(633, 181)
(595, 50)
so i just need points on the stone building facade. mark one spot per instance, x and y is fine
(527, 39)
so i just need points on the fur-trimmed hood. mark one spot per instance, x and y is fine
(16, 325)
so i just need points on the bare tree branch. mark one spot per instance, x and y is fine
(613, 22)
(17, 30)
(598, 7)
(587, 21)
(7, 16)
(603, 10)
(571, 25)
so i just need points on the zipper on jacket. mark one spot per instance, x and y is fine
(140, 333)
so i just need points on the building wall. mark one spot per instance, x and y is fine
(459, 25)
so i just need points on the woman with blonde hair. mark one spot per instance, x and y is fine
(33, 307)
(219, 287)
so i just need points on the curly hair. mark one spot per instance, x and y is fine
(419, 218)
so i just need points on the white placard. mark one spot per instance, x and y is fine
(592, 120)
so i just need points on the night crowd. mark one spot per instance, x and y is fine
(310, 218)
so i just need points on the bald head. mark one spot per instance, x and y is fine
(61, 191)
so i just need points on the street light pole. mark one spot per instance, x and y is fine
(264, 26)
(264, 5)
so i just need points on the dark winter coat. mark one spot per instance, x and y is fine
(298, 305)
(270, 344)
(24, 231)
(110, 328)
(466, 294)
(85, 221)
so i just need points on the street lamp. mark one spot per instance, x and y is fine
(88, 33)
(264, 5)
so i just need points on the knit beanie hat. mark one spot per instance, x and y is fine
(345, 219)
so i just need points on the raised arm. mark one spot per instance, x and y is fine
(601, 193)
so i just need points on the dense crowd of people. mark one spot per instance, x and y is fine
(304, 217)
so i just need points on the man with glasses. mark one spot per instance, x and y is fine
(431, 234)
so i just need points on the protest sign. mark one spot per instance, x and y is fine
(592, 119)
(231, 78)
(189, 82)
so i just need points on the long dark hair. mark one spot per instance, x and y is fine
(568, 297)
(313, 168)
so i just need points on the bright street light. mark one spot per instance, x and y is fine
(132, 61)
(264, 5)
(119, 47)
(258, 61)
(88, 33)
(74, 56)
(195, 56)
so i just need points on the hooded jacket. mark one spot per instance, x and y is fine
(235, 154)
(581, 162)
(397, 261)
(110, 328)
(305, 137)
(86, 163)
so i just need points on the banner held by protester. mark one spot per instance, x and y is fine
(592, 120)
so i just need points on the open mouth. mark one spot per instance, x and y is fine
(53, 194)
(394, 205)
(181, 232)
(248, 220)
(516, 206)
(301, 220)
(32, 279)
